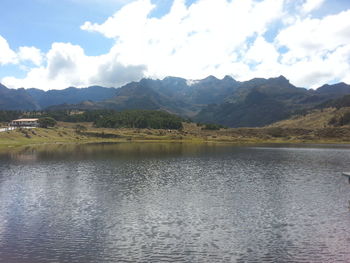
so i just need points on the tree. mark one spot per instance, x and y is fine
(47, 122)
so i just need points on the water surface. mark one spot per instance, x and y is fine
(133, 202)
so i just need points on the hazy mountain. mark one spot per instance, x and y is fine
(334, 112)
(328, 92)
(175, 95)
(335, 89)
(256, 108)
(16, 99)
(172, 94)
(278, 88)
(256, 102)
(336, 103)
(85, 105)
(260, 102)
(205, 91)
(142, 95)
(70, 95)
(36, 99)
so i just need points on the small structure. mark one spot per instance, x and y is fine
(24, 123)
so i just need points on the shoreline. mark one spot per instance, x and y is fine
(65, 134)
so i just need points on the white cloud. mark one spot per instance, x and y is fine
(32, 54)
(206, 38)
(190, 41)
(263, 58)
(311, 5)
(127, 20)
(262, 52)
(314, 47)
(7, 55)
(315, 36)
(68, 65)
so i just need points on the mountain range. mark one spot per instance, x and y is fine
(256, 102)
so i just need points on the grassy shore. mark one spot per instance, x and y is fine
(66, 133)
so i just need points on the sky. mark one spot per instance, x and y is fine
(50, 44)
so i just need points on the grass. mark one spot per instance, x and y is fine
(317, 119)
(65, 133)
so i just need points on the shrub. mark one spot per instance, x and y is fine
(47, 122)
(212, 126)
(275, 132)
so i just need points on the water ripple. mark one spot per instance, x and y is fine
(175, 204)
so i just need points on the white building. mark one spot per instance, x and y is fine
(25, 123)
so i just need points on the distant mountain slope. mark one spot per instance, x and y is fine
(335, 89)
(333, 112)
(212, 90)
(257, 102)
(256, 109)
(70, 95)
(172, 94)
(16, 99)
(336, 103)
(278, 88)
(85, 105)
(201, 92)
(36, 99)
(316, 119)
(175, 95)
(252, 103)
(328, 92)
(260, 102)
(138, 95)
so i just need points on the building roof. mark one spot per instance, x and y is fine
(21, 120)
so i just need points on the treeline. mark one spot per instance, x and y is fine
(7, 116)
(140, 119)
(212, 126)
(105, 118)
(70, 115)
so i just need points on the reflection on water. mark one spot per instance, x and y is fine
(174, 203)
(107, 151)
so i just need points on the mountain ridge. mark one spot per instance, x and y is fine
(256, 102)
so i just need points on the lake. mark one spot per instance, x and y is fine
(154, 202)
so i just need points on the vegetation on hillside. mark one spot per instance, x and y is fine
(47, 122)
(256, 109)
(317, 119)
(102, 118)
(140, 119)
(6, 116)
(70, 115)
(340, 119)
(213, 127)
(337, 103)
(68, 133)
